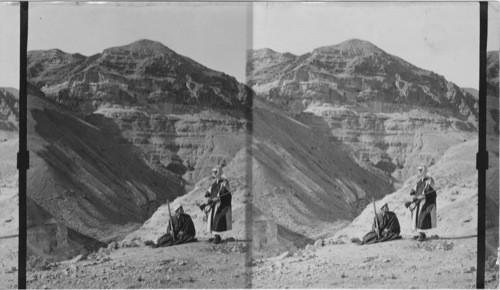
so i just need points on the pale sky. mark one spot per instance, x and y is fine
(442, 37)
(9, 44)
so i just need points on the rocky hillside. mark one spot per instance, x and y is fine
(9, 113)
(492, 73)
(9, 193)
(289, 189)
(76, 183)
(455, 178)
(383, 107)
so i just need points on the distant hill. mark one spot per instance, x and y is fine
(472, 91)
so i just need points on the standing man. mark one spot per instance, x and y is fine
(423, 207)
(219, 217)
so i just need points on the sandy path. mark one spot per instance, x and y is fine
(9, 230)
(444, 263)
(440, 263)
(196, 265)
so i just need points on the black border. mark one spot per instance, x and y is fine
(481, 158)
(23, 154)
(482, 154)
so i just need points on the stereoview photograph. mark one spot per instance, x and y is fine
(258, 145)
(9, 144)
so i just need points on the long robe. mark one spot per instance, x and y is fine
(184, 230)
(388, 221)
(220, 214)
(423, 216)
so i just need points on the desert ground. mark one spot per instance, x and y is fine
(406, 263)
(9, 215)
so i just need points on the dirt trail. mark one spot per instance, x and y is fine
(436, 263)
(195, 265)
(9, 230)
(440, 263)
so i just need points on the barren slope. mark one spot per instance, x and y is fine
(9, 193)
(456, 181)
(301, 188)
(76, 183)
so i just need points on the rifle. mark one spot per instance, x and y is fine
(377, 226)
(171, 221)
(210, 204)
(413, 204)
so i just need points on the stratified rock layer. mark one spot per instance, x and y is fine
(378, 104)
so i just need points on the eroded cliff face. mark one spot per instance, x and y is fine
(378, 104)
(144, 72)
(188, 145)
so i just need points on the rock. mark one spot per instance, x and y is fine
(283, 255)
(76, 259)
(140, 279)
(113, 246)
(319, 243)
(343, 276)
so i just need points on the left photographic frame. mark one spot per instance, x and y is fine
(9, 143)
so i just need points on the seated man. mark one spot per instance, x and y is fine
(388, 227)
(180, 231)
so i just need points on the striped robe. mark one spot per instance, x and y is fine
(220, 215)
(423, 216)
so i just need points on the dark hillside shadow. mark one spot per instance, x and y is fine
(104, 184)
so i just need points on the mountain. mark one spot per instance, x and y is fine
(384, 108)
(154, 83)
(141, 73)
(351, 73)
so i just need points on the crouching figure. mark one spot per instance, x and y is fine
(385, 227)
(180, 231)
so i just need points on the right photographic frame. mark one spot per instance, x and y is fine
(259, 145)
(368, 116)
